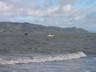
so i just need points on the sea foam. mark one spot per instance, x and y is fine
(46, 58)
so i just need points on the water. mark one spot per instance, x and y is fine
(85, 64)
(40, 58)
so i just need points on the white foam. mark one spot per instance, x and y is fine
(43, 58)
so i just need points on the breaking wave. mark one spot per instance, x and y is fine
(46, 58)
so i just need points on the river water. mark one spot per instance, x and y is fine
(10, 64)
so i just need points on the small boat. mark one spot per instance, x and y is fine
(50, 35)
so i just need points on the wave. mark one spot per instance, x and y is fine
(46, 58)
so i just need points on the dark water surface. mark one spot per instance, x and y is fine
(18, 43)
(40, 43)
(87, 64)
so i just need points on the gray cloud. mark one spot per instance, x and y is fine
(63, 2)
(62, 15)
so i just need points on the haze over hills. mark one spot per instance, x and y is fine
(27, 27)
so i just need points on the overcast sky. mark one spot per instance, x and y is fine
(61, 13)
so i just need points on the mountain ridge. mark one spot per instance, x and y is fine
(28, 27)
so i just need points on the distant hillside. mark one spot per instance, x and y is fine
(27, 27)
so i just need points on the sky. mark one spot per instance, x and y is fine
(59, 13)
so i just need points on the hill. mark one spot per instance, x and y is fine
(27, 27)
